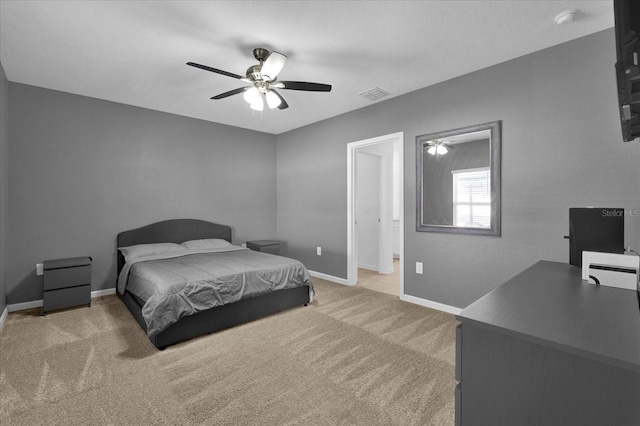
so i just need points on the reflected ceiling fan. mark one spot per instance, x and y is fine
(264, 80)
(438, 146)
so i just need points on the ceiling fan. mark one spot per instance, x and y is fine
(264, 81)
(438, 146)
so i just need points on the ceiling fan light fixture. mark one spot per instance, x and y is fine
(273, 65)
(273, 100)
(258, 105)
(252, 95)
(432, 150)
(441, 150)
(263, 79)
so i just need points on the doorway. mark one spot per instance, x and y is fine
(375, 213)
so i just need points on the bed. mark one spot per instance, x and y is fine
(288, 281)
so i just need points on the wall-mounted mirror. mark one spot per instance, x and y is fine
(458, 180)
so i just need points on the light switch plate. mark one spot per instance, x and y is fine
(39, 268)
(418, 267)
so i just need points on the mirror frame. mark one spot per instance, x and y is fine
(495, 164)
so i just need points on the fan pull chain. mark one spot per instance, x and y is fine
(253, 112)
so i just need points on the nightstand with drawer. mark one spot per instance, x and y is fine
(265, 246)
(67, 282)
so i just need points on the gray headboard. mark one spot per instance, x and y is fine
(170, 231)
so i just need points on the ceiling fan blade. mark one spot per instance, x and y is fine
(303, 85)
(273, 65)
(206, 68)
(230, 93)
(283, 103)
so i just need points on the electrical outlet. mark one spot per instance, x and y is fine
(39, 268)
(244, 245)
(418, 267)
(319, 251)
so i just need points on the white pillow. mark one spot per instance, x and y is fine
(211, 243)
(140, 250)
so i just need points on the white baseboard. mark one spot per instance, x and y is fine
(4, 316)
(38, 303)
(105, 292)
(25, 305)
(375, 269)
(368, 267)
(329, 278)
(405, 297)
(430, 304)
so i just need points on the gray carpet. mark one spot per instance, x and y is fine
(353, 357)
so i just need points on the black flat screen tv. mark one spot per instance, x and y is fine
(595, 229)
(627, 27)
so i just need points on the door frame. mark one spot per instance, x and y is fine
(352, 266)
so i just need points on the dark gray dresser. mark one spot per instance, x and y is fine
(265, 246)
(548, 349)
(67, 282)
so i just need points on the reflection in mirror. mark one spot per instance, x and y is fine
(458, 180)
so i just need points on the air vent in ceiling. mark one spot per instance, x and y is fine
(374, 94)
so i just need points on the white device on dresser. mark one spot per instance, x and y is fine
(610, 269)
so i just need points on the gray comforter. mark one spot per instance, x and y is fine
(177, 285)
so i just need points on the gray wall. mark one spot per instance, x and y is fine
(561, 147)
(4, 185)
(84, 169)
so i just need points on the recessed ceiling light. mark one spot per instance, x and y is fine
(566, 17)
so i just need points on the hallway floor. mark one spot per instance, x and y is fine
(384, 283)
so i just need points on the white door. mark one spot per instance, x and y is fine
(368, 172)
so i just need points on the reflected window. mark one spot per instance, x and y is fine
(472, 198)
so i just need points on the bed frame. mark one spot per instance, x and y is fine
(214, 319)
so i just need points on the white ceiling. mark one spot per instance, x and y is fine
(134, 52)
